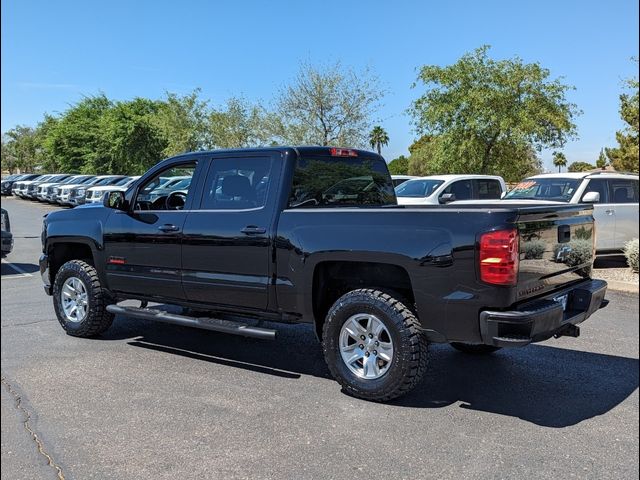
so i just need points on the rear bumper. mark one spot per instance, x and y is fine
(544, 317)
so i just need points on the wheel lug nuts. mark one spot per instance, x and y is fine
(362, 337)
(361, 346)
(371, 335)
(375, 352)
(377, 343)
(367, 354)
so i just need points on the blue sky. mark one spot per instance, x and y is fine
(55, 52)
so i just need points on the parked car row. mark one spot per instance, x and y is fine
(64, 189)
(614, 196)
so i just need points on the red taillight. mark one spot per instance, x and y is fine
(499, 257)
(343, 152)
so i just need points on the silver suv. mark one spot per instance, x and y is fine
(614, 197)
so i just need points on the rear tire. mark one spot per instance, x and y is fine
(475, 349)
(80, 301)
(373, 345)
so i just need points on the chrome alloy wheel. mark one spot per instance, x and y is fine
(74, 300)
(366, 346)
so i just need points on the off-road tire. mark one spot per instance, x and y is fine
(410, 357)
(97, 319)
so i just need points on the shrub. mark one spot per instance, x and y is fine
(581, 252)
(631, 252)
(533, 250)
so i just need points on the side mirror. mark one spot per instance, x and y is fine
(115, 199)
(591, 197)
(503, 194)
(447, 197)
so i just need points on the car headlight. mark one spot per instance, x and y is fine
(80, 192)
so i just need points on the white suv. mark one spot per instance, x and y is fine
(614, 197)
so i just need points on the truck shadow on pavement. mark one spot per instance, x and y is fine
(10, 268)
(542, 384)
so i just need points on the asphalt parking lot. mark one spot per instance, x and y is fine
(161, 401)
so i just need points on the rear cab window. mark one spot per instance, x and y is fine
(322, 180)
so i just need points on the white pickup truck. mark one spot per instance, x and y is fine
(441, 189)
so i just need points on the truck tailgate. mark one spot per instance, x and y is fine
(556, 247)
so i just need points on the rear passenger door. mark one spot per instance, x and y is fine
(227, 241)
(623, 195)
(487, 189)
(603, 214)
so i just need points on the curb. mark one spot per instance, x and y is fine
(621, 286)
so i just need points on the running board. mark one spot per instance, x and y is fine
(214, 324)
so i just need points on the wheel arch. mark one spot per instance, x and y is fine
(334, 278)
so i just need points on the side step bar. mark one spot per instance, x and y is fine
(215, 324)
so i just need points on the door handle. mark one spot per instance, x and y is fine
(253, 230)
(168, 228)
(609, 212)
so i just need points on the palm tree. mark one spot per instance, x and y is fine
(378, 138)
(559, 160)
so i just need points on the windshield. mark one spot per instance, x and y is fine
(124, 181)
(106, 181)
(180, 184)
(555, 189)
(321, 181)
(417, 188)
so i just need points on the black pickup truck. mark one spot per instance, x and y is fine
(314, 235)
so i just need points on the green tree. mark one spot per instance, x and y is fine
(559, 160)
(9, 161)
(399, 166)
(73, 142)
(378, 138)
(479, 112)
(130, 141)
(182, 121)
(240, 124)
(327, 105)
(44, 156)
(580, 167)
(602, 159)
(625, 156)
(22, 148)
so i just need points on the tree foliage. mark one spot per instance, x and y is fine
(240, 124)
(74, 141)
(399, 166)
(602, 159)
(625, 156)
(580, 167)
(327, 105)
(489, 116)
(21, 149)
(131, 142)
(378, 137)
(182, 121)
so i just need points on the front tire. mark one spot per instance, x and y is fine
(80, 301)
(373, 345)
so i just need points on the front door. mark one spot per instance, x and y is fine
(143, 245)
(226, 256)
